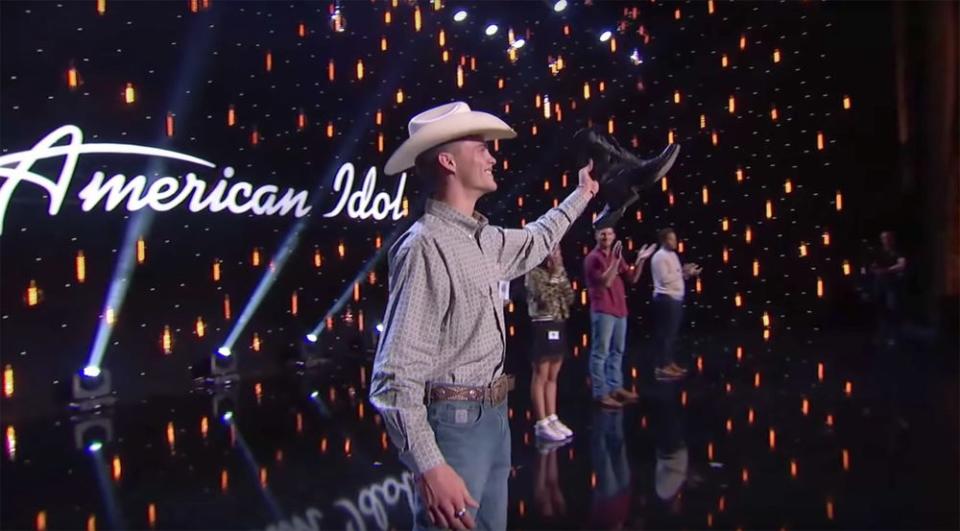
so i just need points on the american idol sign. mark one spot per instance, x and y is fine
(166, 193)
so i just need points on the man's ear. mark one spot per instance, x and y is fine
(446, 161)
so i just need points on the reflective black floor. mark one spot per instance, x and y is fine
(804, 430)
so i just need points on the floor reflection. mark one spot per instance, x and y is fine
(762, 434)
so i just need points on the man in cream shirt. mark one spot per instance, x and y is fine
(668, 290)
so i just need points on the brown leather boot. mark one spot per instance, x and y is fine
(624, 395)
(609, 401)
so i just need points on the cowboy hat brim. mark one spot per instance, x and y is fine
(459, 125)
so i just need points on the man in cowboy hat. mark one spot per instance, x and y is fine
(438, 375)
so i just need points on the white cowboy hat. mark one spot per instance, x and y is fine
(442, 124)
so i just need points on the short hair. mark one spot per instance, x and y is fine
(663, 233)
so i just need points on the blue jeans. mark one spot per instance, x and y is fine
(474, 439)
(669, 312)
(609, 454)
(608, 341)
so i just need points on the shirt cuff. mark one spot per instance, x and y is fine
(422, 458)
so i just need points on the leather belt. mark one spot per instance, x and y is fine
(492, 394)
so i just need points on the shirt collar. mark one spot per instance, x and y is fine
(470, 224)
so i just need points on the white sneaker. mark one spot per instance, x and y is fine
(543, 429)
(560, 426)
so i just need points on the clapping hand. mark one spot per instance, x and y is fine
(645, 252)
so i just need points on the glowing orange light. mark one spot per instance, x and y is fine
(819, 140)
(330, 130)
(820, 371)
(670, 137)
(846, 268)
(703, 121)
(81, 267)
(356, 292)
(739, 353)
(73, 78)
(170, 124)
(256, 344)
(829, 419)
(710, 7)
(224, 480)
(33, 294)
(776, 55)
(793, 468)
(92, 522)
(294, 303)
(705, 195)
(699, 286)
(459, 77)
(583, 297)
(166, 340)
(388, 17)
(725, 224)
(725, 254)
(710, 455)
(417, 19)
(610, 126)
(129, 94)
(788, 186)
(769, 209)
(110, 316)
(664, 184)
(772, 439)
(268, 61)
(152, 514)
(399, 96)
(756, 267)
(231, 116)
(301, 30)
(171, 436)
(714, 138)
(731, 104)
(204, 427)
(724, 61)
(819, 288)
(803, 250)
(586, 90)
(729, 425)
(740, 175)
(766, 320)
(331, 70)
(383, 44)
(359, 69)
(254, 137)
(829, 509)
(847, 103)
(839, 201)
(774, 114)
(743, 42)
(101, 7)
(756, 382)
(141, 250)
(226, 307)
(805, 407)
(748, 234)
(117, 468)
(200, 327)
(8, 382)
(848, 388)
(194, 6)
(845, 457)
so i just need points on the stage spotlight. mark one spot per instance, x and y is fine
(606, 35)
(312, 338)
(227, 417)
(517, 44)
(491, 30)
(635, 57)
(314, 395)
(92, 389)
(559, 5)
(460, 16)
(91, 432)
(380, 328)
(220, 371)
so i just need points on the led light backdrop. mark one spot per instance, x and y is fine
(177, 177)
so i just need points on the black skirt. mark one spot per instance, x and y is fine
(549, 340)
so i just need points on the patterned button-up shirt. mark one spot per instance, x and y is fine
(444, 317)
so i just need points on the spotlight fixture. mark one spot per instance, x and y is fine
(460, 16)
(559, 5)
(224, 351)
(517, 44)
(380, 328)
(605, 36)
(312, 338)
(491, 30)
(92, 389)
(220, 370)
(92, 431)
(635, 57)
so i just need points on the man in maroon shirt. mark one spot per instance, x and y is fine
(605, 271)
